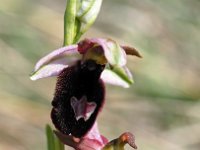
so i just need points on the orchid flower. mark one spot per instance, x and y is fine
(93, 140)
(82, 70)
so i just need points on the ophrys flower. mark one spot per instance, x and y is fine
(81, 70)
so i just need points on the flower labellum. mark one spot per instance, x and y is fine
(78, 98)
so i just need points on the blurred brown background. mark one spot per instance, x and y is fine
(162, 108)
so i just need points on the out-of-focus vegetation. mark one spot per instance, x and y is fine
(162, 108)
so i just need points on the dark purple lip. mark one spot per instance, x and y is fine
(77, 81)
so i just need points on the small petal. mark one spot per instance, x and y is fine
(121, 77)
(131, 51)
(53, 63)
(114, 54)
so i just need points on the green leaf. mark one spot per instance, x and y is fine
(50, 138)
(53, 143)
(58, 144)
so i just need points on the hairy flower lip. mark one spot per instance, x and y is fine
(78, 98)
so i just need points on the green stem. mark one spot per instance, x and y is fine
(69, 22)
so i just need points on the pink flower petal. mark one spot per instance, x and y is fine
(89, 144)
(95, 134)
(53, 63)
(56, 54)
(111, 77)
(92, 141)
(51, 69)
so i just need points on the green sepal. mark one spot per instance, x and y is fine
(87, 14)
(123, 74)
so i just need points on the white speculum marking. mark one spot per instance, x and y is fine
(82, 108)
